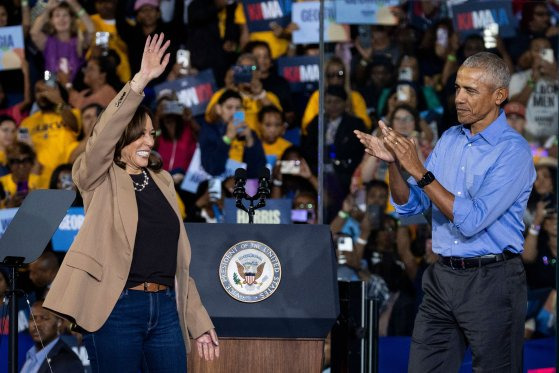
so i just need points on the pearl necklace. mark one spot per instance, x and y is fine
(138, 187)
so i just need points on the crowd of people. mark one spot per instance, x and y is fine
(78, 55)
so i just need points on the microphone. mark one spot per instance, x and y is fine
(240, 180)
(264, 183)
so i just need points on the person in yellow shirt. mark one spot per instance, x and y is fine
(336, 75)
(20, 181)
(278, 37)
(249, 87)
(52, 130)
(104, 21)
(272, 128)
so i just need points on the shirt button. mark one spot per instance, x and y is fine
(456, 242)
(459, 193)
(462, 168)
(470, 144)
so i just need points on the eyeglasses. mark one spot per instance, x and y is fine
(15, 161)
(338, 74)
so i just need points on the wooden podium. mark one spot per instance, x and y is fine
(284, 332)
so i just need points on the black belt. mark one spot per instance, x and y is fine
(477, 261)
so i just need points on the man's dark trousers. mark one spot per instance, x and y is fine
(483, 307)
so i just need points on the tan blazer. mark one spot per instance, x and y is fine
(95, 269)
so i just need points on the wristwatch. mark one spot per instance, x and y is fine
(427, 179)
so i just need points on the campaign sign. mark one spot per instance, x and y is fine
(276, 211)
(194, 92)
(299, 71)
(473, 16)
(64, 235)
(307, 14)
(11, 47)
(68, 229)
(366, 12)
(260, 13)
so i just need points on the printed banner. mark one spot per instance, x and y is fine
(306, 16)
(64, 235)
(11, 47)
(194, 92)
(276, 211)
(366, 12)
(300, 72)
(260, 13)
(196, 173)
(473, 16)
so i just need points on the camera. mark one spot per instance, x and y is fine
(243, 74)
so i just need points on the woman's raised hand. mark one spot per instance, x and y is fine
(154, 61)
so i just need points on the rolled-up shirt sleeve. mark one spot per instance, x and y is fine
(417, 201)
(502, 186)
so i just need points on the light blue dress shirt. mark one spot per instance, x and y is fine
(34, 359)
(491, 175)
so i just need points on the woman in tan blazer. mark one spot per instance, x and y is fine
(131, 257)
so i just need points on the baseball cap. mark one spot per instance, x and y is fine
(515, 108)
(140, 3)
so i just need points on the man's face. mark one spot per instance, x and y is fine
(228, 108)
(380, 75)
(541, 19)
(271, 127)
(105, 8)
(377, 196)
(39, 275)
(43, 326)
(20, 165)
(41, 88)
(334, 106)
(475, 97)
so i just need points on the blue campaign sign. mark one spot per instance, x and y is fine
(276, 211)
(366, 12)
(194, 92)
(302, 73)
(64, 235)
(260, 13)
(474, 16)
(68, 229)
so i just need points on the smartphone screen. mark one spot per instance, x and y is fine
(547, 55)
(345, 244)
(490, 35)
(403, 92)
(183, 58)
(50, 78)
(442, 37)
(290, 167)
(238, 119)
(405, 74)
(214, 189)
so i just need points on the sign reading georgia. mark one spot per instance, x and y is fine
(250, 271)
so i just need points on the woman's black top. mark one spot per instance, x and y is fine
(155, 249)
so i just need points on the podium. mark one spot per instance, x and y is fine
(283, 332)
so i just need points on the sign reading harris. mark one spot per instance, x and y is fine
(260, 13)
(276, 211)
(11, 47)
(306, 15)
(194, 92)
(366, 12)
(473, 16)
(300, 72)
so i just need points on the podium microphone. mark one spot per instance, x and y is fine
(240, 181)
(264, 184)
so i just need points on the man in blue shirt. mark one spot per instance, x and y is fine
(477, 182)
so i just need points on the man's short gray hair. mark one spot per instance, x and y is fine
(498, 73)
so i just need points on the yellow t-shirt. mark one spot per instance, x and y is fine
(116, 43)
(10, 187)
(276, 148)
(52, 141)
(250, 106)
(278, 46)
(357, 101)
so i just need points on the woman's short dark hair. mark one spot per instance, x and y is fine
(65, 167)
(133, 132)
(227, 94)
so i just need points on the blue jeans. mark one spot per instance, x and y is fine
(141, 333)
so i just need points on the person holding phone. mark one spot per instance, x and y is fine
(229, 137)
(125, 280)
(20, 181)
(537, 88)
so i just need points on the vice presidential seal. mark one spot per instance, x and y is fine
(250, 271)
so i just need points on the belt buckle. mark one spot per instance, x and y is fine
(462, 264)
